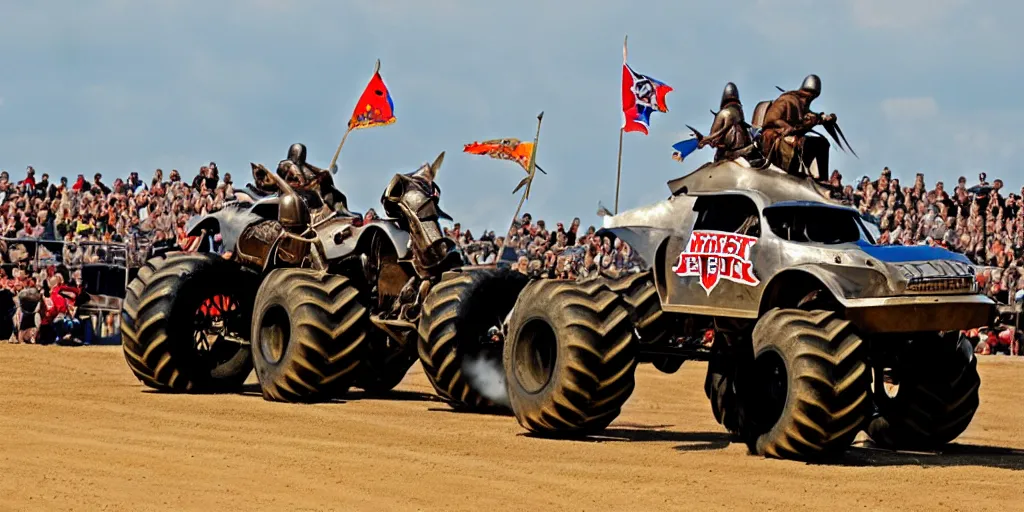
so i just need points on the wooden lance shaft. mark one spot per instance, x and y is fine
(338, 151)
(531, 172)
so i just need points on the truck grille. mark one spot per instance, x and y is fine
(939, 277)
(942, 285)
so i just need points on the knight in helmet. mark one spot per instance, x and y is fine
(302, 175)
(730, 133)
(295, 170)
(787, 120)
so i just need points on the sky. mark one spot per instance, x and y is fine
(115, 86)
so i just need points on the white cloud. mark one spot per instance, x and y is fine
(918, 108)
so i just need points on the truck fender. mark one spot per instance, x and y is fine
(398, 237)
(644, 242)
(229, 222)
(832, 279)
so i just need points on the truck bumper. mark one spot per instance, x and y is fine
(920, 313)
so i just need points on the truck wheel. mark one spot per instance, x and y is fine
(569, 358)
(651, 323)
(308, 333)
(185, 323)
(930, 398)
(384, 365)
(457, 315)
(641, 296)
(809, 389)
(720, 388)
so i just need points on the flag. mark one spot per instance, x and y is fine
(641, 95)
(503, 149)
(375, 107)
(685, 147)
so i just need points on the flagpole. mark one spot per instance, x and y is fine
(515, 217)
(618, 173)
(337, 153)
(622, 130)
(531, 172)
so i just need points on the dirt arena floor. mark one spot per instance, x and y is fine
(77, 431)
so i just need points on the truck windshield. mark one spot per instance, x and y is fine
(816, 224)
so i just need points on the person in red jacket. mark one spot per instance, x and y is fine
(61, 313)
(28, 185)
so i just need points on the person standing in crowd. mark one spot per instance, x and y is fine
(97, 185)
(213, 176)
(42, 185)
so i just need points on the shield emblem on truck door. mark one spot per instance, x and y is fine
(712, 267)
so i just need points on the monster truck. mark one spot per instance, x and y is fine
(316, 300)
(818, 333)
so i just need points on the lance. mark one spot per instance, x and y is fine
(531, 172)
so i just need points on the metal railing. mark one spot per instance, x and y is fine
(35, 255)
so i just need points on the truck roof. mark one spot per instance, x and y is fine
(772, 184)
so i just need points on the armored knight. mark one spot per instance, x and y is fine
(303, 175)
(788, 119)
(730, 133)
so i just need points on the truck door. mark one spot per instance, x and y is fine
(711, 269)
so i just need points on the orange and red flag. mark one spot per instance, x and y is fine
(503, 149)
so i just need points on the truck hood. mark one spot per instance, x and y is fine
(905, 253)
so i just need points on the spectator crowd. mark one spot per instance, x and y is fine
(129, 212)
(50, 228)
(97, 221)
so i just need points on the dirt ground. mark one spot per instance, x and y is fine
(77, 431)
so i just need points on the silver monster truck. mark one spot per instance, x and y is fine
(818, 332)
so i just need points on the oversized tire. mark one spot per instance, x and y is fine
(641, 297)
(731, 357)
(308, 335)
(936, 397)
(457, 315)
(809, 391)
(652, 325)
(185, 323)
(569, 358)
(384, 365)
(720, 388)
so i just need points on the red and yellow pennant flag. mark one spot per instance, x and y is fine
(375, 107)
(503, 149)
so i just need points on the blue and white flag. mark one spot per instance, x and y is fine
(685, 147)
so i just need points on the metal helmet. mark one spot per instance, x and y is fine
(730, 94)
(812, 84)
(297, 153)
